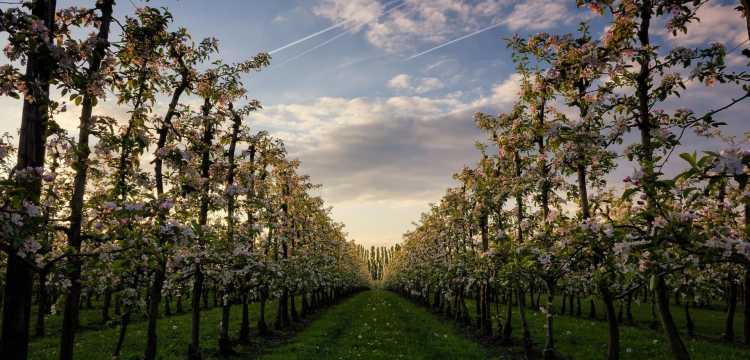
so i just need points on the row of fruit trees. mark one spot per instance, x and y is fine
(173, 198)
(539, 212)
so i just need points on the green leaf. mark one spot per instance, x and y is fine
(652, 283)
(690, 158)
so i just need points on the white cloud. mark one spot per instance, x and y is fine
(489, 7)
(429, 84)
(399, 148)
(356, 13)
(418, 86)
(400, 81)
(718, 23)
(419, 23)
(504, 93)
(537, 15)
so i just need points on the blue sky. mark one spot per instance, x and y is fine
(383, 131)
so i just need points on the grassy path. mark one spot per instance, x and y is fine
(378, 325)
(381, 325)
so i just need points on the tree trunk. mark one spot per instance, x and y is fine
(160, 272)
(746, 314)
(167, 305)
(507, 328)
(194, 350)
(549, 336)
(204, 296)
(72, 305)
(613, 340)
(571, 299)
(689, 320)
(746, 7)
(465, 317)
(178, 306)
(42, 304)
(89, 296)
(731, 310)
(153, 312)
(679, 351)
(245, 326)
(646, 160)
(118, 305)
(225, 345)
(31, 147)
(293, 309)
(305, 305)
(262, 326)
(124, 321)
(486, 310)
(478, 308)
(526, 338)
(629, 309)
(654, 322)
(106, 305)
(282, 311)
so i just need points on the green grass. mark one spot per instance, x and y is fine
(583, 338)
(708, 321)
(379, 325)
(173, 336)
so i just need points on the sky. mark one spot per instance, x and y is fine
(376, 97)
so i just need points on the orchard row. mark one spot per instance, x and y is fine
(542, 212)
(174, 198)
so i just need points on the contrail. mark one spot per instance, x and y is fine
(316, 47)
(313, 49)
(455, 41)
(308, 37)
(332, 27)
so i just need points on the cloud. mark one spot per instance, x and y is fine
(503, 93)
(718, 23)
(429, 84)
(537, 15)
(356, 13)
(403, 149)
(398, 159)
(280, 19)
(384, 156)
(399, 149)
(420, 86)
(401, 81)
(421, 23)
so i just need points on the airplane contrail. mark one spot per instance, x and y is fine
(455, 41)
(308, 37)
(312, 49)
(334, 38)
(332, 27)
